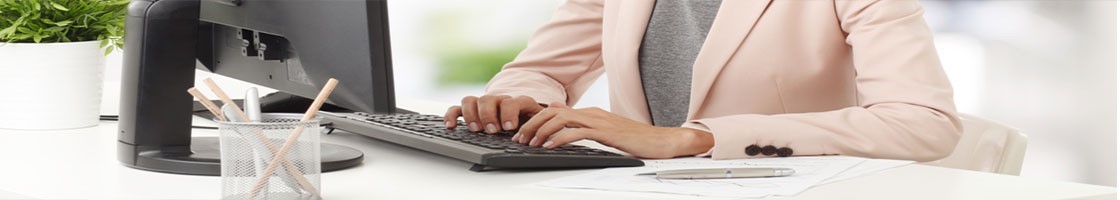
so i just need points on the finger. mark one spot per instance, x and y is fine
(513, 119)
(568, 136)
(558, 104)
(530, 106)
(470, 113)
(451, 118)
(513, 108)
(556, 124)
(488, 112)
(529, 129)
(510, 113)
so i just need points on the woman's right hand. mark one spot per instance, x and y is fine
(490, 113)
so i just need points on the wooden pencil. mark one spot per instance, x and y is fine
(206, 103)
(288, 166)
(291, 140)
(225, 98)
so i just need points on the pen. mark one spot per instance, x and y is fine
(253, 104)
(718, 173)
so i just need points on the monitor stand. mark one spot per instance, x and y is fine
(203, 158)
(204, 155)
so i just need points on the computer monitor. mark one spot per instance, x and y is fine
(291, 46)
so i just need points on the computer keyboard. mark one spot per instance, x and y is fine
(486, 151)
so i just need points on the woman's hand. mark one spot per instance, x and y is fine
(492, 112)
(559, 125)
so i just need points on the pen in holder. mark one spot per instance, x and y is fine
(246, 155)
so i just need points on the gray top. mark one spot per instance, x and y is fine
(673, 38)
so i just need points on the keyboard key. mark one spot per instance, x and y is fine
(499, 141)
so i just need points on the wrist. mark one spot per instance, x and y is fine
(694, 141)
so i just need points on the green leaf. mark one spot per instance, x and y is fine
(21, 36)
(8, 31)
(64, 23)
(55, 29)
(119, 2)
(62, 20)
(38, 38)
(24, 30)
(59, 7)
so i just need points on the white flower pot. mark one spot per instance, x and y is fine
(50, 85)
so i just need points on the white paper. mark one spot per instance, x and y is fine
(809, 172)
(867, 167)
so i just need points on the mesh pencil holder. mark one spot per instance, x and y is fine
(248, 148)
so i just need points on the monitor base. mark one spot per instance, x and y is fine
(205, 158)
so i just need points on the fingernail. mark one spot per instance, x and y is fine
(490, 128)
(548, 144)
(532, 142)
(516, 137)
(474, 127)
(448, 124)
(509, 125)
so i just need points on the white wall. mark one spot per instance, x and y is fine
(1045, 67)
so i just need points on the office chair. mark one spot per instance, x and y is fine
(987, 146)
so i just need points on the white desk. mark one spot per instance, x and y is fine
(82, 164)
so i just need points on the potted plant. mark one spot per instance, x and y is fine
(51, 60)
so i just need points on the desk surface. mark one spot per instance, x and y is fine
(82, 164)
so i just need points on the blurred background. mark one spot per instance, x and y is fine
(1045, 67)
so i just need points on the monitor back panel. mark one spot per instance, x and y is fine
(305, 43)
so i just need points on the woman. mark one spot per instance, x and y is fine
(730, 79)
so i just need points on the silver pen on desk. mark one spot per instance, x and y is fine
(719, 173)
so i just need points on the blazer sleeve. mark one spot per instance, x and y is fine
(905, 109)
(562, 59)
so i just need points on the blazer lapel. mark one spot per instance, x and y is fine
(622, 57)
(732, 24)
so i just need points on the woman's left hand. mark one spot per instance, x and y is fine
(559, 125)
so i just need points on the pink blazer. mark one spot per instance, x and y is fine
(821, 77)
